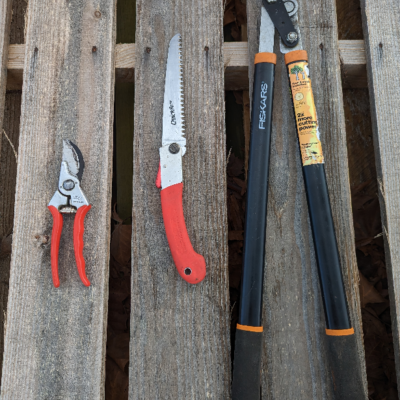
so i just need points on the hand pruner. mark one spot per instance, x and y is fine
(69, 199)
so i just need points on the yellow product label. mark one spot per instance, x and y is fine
(306, 114)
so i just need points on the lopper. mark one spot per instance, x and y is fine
(282, 16)
(190, 265)
(69, 199)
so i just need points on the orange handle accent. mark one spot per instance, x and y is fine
(249, 328)
(79, 229)
(296, 55)
(190, 265)
(265, 58)
(339, 332)
(55, 243)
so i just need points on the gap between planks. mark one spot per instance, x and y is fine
(352, 60)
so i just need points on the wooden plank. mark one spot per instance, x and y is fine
(180, 333)
(125, 62)
(8, 170)
(15, 66)
(236, 64)
(353, 62)
(5, 24)
(295, 364)
(381, 31)
(55, 338)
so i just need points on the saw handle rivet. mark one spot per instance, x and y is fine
(174, 148)
(69, 184)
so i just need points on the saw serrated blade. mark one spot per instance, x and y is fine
(74, 159)
(173, 109)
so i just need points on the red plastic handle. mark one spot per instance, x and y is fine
(79, 229)
(190, 265)
(55, 243)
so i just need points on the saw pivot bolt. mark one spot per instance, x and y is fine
(174, 148)
(69, 199)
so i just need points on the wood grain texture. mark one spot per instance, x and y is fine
(55, 339)
(15, 66)
(381, 24)
(5, 24)
(352, 60)
(8, 175)
(295, 362)
(180, 333)
(8, 169)
(236, 64)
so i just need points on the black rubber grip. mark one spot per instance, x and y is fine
(326, 250)
(345, 369)
(257, 196)
(247, 364)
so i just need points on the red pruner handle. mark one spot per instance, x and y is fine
(79, 229)
(190, 265)
(55, 243)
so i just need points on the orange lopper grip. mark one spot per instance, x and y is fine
(55, 243)
(79, 229)
(190, 265)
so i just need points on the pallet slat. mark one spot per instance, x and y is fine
(8, 170)
(5, 24)
(381, 31)
(296, 362)
(180, 336)
(236, 64)
(55, 338)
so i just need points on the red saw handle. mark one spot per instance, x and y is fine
(55, 243)
(79, 229)
(190, 265)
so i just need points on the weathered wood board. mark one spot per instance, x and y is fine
(180, 336)
(55, 338)
(381, 23)
(5, 24)
(8, 169)
(295, 362)
(8, 174)
(236, 63)
(352, 60)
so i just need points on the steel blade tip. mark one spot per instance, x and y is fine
(174, 129)
(267, 33)
(74, 159)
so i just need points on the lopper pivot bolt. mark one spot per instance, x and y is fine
(69, 199)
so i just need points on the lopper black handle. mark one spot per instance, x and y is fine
(248, 343)
(323, 231)
(342, 347)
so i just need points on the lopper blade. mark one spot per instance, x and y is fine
(173, 109)
(267, 33)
